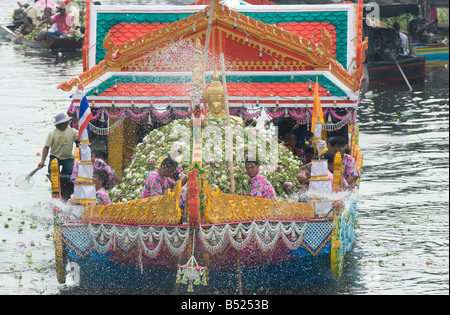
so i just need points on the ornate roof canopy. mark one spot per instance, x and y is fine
(265, 63)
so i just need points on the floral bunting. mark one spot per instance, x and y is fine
(300, 115)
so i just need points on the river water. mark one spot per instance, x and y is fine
(403, 211)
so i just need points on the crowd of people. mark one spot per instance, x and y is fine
(50, 24)
(61, 140)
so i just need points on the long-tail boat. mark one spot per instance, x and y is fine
(273, 55)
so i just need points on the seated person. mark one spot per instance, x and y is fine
(27, 26)
(304, 175)
(98, 159)
(100, 178)
(99, 164)
(64, 22)
(73, 10)
(33, 12)
(330, 157)
(46, 18)
(309, 154)
(291, 142)
(349, 170)
(260, 187)
(160, 180)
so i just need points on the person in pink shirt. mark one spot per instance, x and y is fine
(261, 187)
(64, 22)
(350, 171)
(100, 178)
(330, 157)
(160, 180)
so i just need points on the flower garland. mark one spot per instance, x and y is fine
(107, 130)
(267, 235)
(150, 240)
(306, 116)
(301, 116)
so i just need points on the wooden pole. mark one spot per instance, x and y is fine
(46, 25)
(239, 272)
(403, 74)
(228, 131)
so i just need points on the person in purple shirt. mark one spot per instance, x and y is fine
(161, 179)
(260, 187)
(349, 170)
(100, 178)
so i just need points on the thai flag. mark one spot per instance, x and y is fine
(84, 118)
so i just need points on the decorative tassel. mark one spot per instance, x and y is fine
(141, 265)
(239, 236)
(149, 120)
(266, 235)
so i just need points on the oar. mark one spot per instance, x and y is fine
(403, 74)
(26, 181)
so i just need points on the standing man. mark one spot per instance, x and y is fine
(404, 39)
(60, 145)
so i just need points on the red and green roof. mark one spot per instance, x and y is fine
(124, 26)
(273, 56)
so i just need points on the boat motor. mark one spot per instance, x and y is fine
(18, 15)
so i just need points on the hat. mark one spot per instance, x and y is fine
(61, 6)
(61, 118)
(67, 1)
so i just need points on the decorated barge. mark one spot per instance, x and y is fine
(284, 63)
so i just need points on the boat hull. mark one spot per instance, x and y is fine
(293, 276)
(387, 72)
(433, 53)
(287, 273)
(293, 254)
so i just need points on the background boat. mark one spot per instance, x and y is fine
(63, 43)
(385, 72)
(432, 52)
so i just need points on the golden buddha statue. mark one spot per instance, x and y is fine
(215, 99)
